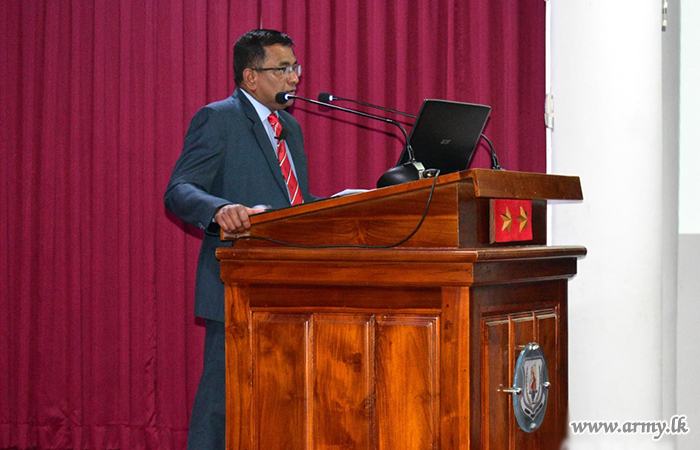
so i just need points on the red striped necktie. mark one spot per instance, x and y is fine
(285, 165)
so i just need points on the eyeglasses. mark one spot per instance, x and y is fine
(285, 71)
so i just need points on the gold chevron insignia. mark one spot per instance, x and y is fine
(522, 218)
(507, 220)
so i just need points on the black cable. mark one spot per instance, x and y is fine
(420, 224)
(494, 158)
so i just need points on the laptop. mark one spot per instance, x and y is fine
(446, 133)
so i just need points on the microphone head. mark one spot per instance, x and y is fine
(283, 97)
(325, 97)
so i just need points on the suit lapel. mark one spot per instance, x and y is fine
(264, 144)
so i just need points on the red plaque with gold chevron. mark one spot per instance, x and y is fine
(511, 220)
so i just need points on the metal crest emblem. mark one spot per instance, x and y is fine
(530, 388)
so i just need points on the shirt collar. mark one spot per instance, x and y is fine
(262, 110)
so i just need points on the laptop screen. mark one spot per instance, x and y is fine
(446, 133)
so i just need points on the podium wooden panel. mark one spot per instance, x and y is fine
(395, 348)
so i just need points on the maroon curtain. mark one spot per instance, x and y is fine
(98, 345)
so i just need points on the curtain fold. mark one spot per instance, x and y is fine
(100, 349)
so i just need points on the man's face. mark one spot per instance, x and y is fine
(264, 85)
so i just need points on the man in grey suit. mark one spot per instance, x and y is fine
(233, 158)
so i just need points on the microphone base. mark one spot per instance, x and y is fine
(405, 173)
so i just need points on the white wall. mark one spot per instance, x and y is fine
(607, 84)
(690, 118)
(688, 349)
(669, 268)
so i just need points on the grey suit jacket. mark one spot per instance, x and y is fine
(228, 158)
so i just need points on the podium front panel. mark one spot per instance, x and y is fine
(390, 349)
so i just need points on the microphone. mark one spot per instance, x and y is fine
(327, 98)
(282, 136)
(411, 170)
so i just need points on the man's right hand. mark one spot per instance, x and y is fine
(235, 218)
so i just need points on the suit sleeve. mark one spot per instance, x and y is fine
(196, 175)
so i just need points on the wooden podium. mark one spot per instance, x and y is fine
(396, 348)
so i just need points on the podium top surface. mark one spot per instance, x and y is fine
(486, 184)
(375, 217)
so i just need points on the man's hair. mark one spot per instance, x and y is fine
(249, 50)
